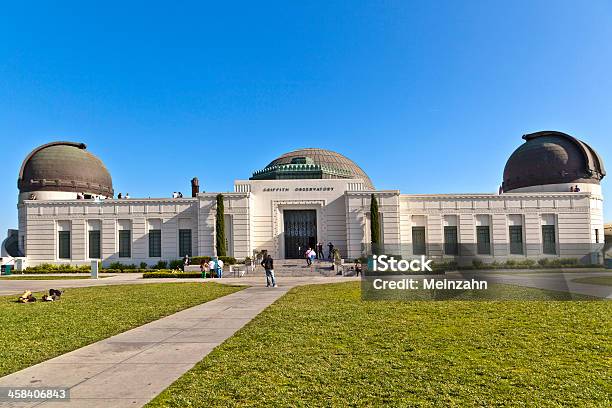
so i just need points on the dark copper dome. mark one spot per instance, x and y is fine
(551, 157)
(312, 163)
(64, 166)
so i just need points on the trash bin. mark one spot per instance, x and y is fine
(7, 269)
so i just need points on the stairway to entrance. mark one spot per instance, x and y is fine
(297, 268)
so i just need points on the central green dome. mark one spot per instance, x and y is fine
(311, 163)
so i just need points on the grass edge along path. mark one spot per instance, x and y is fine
(52, 277)
(321, 345)
(595, 280)
(35, 332)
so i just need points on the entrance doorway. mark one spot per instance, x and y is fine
(300, 232)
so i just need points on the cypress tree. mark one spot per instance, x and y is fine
(220, 227)
(374, 224)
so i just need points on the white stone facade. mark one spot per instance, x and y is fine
(254, 221)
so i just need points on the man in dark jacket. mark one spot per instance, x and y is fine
(268, 265)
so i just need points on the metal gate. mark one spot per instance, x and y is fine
(300, 232)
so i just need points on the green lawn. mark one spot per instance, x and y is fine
(34, 332)
(536, 271)
(321, 345)
(52, 277)
(596, 280)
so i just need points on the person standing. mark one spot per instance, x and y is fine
(219, 268)
(331, 251)
(320, 251)
(203, 266)
(268, 265)
(211, 267)
(185, 262)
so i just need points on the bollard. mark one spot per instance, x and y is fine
(94, 269)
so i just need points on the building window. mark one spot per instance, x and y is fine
(596, 236)
(155, 243)
(125, 244)
(418, 240)
(94, 245)
(64, 244)
(483, 240)
(549, 240)
(185, 242)
(516, 239)
(451, 244)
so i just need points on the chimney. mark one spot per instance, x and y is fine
(195, 186)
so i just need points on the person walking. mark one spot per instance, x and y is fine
(186, 262)
(268, 265)
(310, 256)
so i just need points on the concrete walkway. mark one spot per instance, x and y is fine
(130, 369)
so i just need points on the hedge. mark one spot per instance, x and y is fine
(75, 271)
(170, 274)
(59, 268)
(227, 260)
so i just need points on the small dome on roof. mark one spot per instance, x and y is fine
(64, 166)
(551, 157)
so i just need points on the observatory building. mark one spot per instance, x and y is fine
(549, 206)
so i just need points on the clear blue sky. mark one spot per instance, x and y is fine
(427, 96)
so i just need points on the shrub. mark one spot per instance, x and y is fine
(510, 262)
(228, 260)
(61, 268)
(477, 263)
(143, 265)
(119, 266)
(544, 262)
(176, 264)
(197, 260)
(220, 227)
(136, 270)
(161, 265)
(438, 267)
